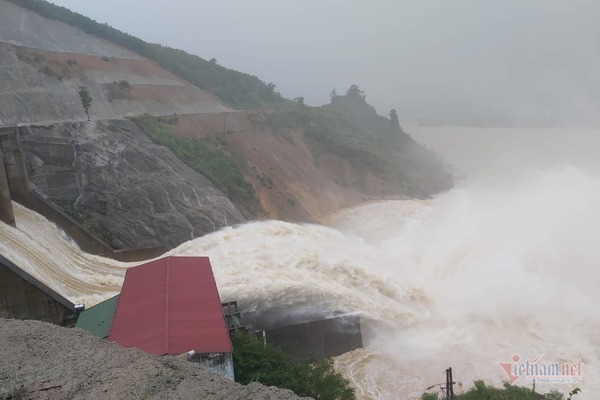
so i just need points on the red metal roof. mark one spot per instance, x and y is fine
(171, 306)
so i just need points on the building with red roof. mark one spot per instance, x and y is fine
(172, 306)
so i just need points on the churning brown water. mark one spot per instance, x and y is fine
(496, 267)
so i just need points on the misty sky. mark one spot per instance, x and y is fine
(504, 61)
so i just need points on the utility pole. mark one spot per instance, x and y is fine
(446, 388)
(449, 385)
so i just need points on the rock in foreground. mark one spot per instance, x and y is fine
(43, 361)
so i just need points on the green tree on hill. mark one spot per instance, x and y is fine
(86, 100)
(354, 92)
(394, 119)
(332, 95)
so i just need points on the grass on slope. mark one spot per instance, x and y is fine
(203, 156)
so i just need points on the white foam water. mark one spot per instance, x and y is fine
(465, 280)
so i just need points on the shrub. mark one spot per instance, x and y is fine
(123, 84)
(508, 392)
(118, 90)
(254, 361)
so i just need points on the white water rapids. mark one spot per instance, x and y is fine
(464, 280)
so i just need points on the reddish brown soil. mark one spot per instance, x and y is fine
(204, 125)
(162, 93)
(74, 64)
(290, 184)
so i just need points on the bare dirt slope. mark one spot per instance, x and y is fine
(290, 182)
(43, 361)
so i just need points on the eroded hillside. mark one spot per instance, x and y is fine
(224, 166)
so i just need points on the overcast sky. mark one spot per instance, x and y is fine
(514, 61)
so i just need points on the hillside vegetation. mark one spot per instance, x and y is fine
(481, 391)
(256, 362)
(206, 156)
(239, 90)
(351, 128)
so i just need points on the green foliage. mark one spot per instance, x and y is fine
(90, 225)
(395, 123)
(481, 391)
(265, 180)
(123, 84)
(253, 361)
(508, 392)
(328, 132)
(47, 70)
(86, 99)
(555, 395)
(354, 92)
(205, 157)
(168, 119)
(239, 90)
(351, 128)
(113, 127)
(86, 221)
(117, 90)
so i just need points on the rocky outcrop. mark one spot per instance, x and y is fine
(111, 178)
(39, 360)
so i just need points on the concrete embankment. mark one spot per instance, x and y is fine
(14, 186)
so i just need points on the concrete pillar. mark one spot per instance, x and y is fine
(7, 214)
(15, 167)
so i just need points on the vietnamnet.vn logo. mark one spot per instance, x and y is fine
(542, 372)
